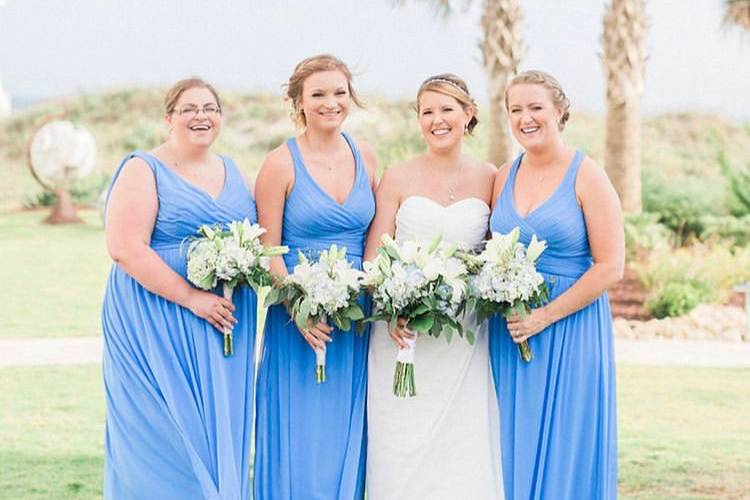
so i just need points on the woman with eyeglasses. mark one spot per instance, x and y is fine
(314, 190)
(179, 414)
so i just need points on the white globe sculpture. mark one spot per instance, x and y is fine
(59, 153)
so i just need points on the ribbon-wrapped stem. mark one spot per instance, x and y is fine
(228, 341)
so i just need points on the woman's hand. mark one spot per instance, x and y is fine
(214, 309)
(534, 322)
(400, 333)
(317, 335)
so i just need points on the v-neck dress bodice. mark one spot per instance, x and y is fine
(179, 414)
(558, 418)
(311, 437)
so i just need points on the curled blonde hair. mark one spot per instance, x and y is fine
(455, 87)
(549, 82)
(176, 90)
(305, 68)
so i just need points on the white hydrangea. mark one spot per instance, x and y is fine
(508, 272)
(329, 284)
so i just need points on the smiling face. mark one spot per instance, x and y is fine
(191, 128)
(325, 100)
(534, 118)
(442, 120)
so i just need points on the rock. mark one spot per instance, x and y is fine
(622, 329)
(731, 335)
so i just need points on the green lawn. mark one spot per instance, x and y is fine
(684, 433)
(55, 276)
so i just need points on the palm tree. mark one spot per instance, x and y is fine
(502, 48)
(737, 13)
(624, 60)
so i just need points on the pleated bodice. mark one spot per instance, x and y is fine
(558, 220)
(313, 220)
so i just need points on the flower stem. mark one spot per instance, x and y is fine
(320, 373)
(403, 380)
(228, 343)
(525, 351)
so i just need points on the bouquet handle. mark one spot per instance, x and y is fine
(403, 377)
(228, 290)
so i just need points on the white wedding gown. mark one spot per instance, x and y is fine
(444, 443)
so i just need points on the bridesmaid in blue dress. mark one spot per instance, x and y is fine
(315, 190)
(557, 412)
(179, 414)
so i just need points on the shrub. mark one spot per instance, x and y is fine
(681, 205)
(643, 233)
(711, 269)
(738, 183)
(678, 298)
(83, 192)
(735, 230)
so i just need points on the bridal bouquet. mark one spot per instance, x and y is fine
(233, 256)
(327, 288)
(424, 284)
(504, 279)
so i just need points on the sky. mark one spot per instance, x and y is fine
(51, 48)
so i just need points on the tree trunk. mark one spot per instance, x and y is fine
(500, 139)
(624, 61)
(64, 211)
(622, 154)
(502, 49)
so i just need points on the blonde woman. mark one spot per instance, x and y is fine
(558, 419)
(313, 191)
(443, 443)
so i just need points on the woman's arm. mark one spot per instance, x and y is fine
(387, 201)
(131, 214)
(273, 184)
(604, 225)
(371, 163)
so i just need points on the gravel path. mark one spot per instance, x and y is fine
(81, 350)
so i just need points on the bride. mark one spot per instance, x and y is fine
(443, 443)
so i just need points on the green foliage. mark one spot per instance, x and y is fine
(738, 180)
(644, 233)
(734, 230)
(83, 192)
(678, 298)
(709, 269)
(681, 204)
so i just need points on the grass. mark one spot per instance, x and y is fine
(684, 433)
(54, 275)
(53, 435)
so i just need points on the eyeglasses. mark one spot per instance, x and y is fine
(209, 110)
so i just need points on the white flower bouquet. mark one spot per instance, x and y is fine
(504, 279)
(323, 289)
(423, 284)
(233, 256)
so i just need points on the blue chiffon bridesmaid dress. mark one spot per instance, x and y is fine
(557, 412)
(311, 437)
(179, 414)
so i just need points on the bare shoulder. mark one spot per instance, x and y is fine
(278, 163)
(501, 174)
(397, 177)
(591, 175)
(137, 170)
(368, 157)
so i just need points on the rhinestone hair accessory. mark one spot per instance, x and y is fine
(445, 80)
